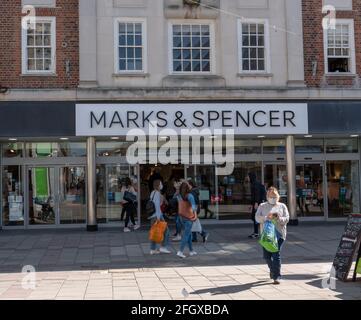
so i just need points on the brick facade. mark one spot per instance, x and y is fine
(67, 32)
(314, 45)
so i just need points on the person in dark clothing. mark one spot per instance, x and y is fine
(154, 176)
(195, 193)
(258, 196)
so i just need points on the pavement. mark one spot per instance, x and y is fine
(76, 265)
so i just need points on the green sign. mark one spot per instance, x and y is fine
(41, 182)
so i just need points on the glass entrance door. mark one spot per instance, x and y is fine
(276, 175)
(56, 195)
(309, 190)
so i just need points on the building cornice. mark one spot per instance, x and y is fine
(161, 93)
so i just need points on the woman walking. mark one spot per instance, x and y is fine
(158, 199)
(129, 207)
(277, 212)
(187, 210)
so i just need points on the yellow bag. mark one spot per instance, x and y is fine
(156, 233)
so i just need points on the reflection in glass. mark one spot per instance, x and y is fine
(275, 175)
(303, 146)
(55, 149)
(42, 209)
(235, 191)
(12, 150)
(274, 146)
(309, 190)
(12, 197)
(110, 179)
(112, 149)
(343, 188)
(342, 145)
(72, 201)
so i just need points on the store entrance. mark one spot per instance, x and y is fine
(168, 174)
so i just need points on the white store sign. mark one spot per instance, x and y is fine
(243, 118)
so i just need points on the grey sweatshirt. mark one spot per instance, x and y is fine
(283, 216)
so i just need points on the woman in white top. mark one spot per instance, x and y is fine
(277, 212)
(158, 200)
(130, 208)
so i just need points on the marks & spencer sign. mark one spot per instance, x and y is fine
(243, 118)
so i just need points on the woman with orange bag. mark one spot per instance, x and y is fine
(157, 217)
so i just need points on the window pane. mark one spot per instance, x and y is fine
(138, 64)
(186, 42)
(177, 30)
(245, 41)
(253, 64)
(186, 29)
(205, 30)
(47, 64)
(39, 40)
(130, 53)
(31, 53)
(138, 40)
(122, 28)
(177, 42)
(245, 65)
(130, 40)
(261, 65)
(130, 28)
(30, 40)
(253, 53)
(308, 146)
(187, 66)
(206, 66)
(196, 41)
(122, 64)
(274, 146)
(245, 53)
(39, 64)
(131, 64)
(196, 65)
(122, 40)
(138, 28)
(177, 66)
(31, 65)
(341, 146)
(138, 53)
(186, 54)
(205, 42)
(205, 54)
(196, 54)
(122, 53)
(177, 54)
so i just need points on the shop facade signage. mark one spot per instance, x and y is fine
(243, 118)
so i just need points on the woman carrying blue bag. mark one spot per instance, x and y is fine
(273, 217)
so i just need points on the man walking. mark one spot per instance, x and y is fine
(258, 196)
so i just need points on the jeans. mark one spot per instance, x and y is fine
(165, 243)
(178, 224)
(187, 235)
(255, 223)
(274, 260)
(130, 211)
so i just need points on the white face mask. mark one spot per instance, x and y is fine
(272, 200)
(161, 186)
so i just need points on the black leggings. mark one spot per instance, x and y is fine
(130, 211)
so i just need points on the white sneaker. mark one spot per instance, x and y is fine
(136, 227)
(177, 238)
(181, 254)
(127, 230)
(153, 252)
(164, 250)
(192, 253)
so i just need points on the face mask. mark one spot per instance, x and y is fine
(272, 200)
(161, 186)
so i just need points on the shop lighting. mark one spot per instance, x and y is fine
(308, 136)
(64, 139)
(261, 137)
(13, 139)
(114, 138)
(354, 135)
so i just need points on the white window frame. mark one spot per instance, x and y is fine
(267, 47)
(24, 33)
(350, 22)
(211, 24)
(143, 22)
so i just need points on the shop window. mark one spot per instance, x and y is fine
(339, 44)
(12, 197)
(113, 149)
(274, 146)
(39, 45)
(304, 146)
(247, 147)
(12, 150)
(342, 145)
(191, 48)
(55, 150)
(253, 46)
(131, 45)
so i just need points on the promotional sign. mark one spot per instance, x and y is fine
(243, 118)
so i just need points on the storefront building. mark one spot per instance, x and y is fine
(48, 175)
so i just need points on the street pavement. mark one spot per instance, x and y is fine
(109, 264)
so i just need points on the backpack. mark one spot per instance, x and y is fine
(196, 199)
(150, 206)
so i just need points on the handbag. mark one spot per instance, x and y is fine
(156, 233)
(269, 239)
(185, 210)
(196, 226)
(129, 197)
(163, 207)
(150, 206)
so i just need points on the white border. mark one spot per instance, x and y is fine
(267, 54)
(211, 24)
(143, 21)
(351, 23)
(24, 55)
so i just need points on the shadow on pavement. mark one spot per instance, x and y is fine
(231, 289)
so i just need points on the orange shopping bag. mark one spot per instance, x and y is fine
(156, 233)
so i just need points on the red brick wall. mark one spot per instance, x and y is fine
(314, 49)
(67, 30)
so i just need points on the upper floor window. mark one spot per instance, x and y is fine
(340, 48)
(130, 45)
(39, 46)
(191, 47)
(253, 46)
